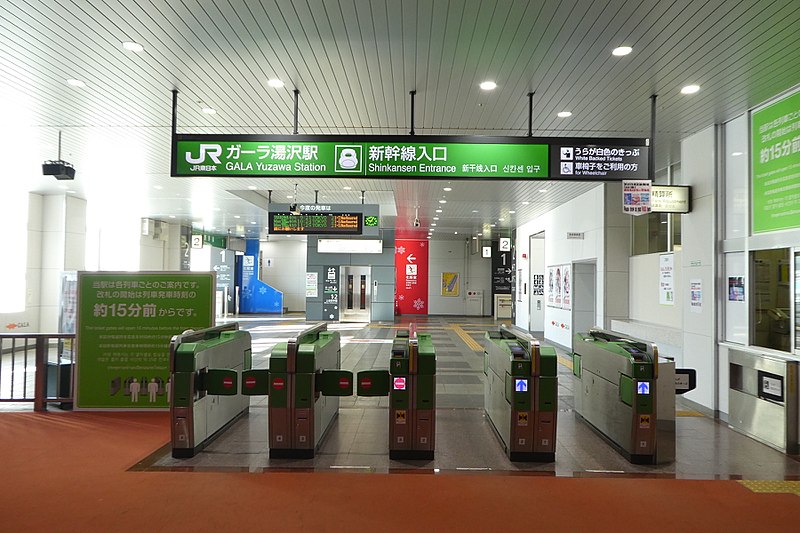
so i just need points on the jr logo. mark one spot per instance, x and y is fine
(212, 150)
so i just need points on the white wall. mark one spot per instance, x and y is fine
(27, 320)
(287, 272)
(559, 250)
(644, 291)
(474, 271)
(698, 154)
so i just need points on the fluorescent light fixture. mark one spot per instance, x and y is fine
(690, 89)
(252, 187)
(736, 154)
(501, 219)
(447, 189)
(442, 201)
(132, 46)
(429, 236)
(474, 238)
(438, 210)
(488, 85)
(347, 188)
(350, 246)
(209, 110)
(435, 218)
(511, 212)
(480, 234)
(433, 224)
(621, 51)
(75, 83)
(236, 216)
(542, 190)
(474, 210)
(252, 221)
(564, 114)
(276, 83)
(289, 196)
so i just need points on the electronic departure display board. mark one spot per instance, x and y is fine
(315, 223)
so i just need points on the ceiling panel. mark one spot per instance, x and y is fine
(354, 63)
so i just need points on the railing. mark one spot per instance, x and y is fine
(38, 368)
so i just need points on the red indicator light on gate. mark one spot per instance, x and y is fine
(227, 382)
(366, 383)
(250, 382)
(278, 383)
(399, 383)
(344, 383)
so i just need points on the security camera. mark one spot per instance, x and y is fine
(293, 209)
(416, 223)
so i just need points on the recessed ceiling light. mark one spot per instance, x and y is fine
(429, 236)
(75, 83)
(132, 46)
(488, 85)
(512, 212)
(474, 210)
(209, 110)
(690, 89)
(442, 201)
(172, 216)
(737, 154)
(501, 219)
(525, 203)
(251, 187)
(433, 224)
(621, 51)
(435, 218)
(253, 222)
(236, 216)
(455, 233)
(493, 225)
(289, 196)
(447, 189)
(347, 188)
(276, 83)
(432, 230)
(480, 234)
(474, 238)
(438, 210)
(542, 190)
(564, 114)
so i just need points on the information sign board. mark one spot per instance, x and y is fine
(125, 323)
(315, 223)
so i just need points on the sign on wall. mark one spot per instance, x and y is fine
(670, 198)
(330, 293)
(666, 287)
(411, 267)
(311, 284)
(450, 283)
(696, 295)
(502, 268)
(125, 323)
(775, 153)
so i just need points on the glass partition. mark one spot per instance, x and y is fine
(771, 304)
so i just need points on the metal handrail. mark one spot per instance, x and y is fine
(41, 345)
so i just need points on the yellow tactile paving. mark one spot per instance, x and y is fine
(468, 340)
(772, 486)
(688, 413)
(565, 362)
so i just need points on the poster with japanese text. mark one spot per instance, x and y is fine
(666, 272)
(696, 295)
(125, 323)
(551, 286)
(566, 287)
(636, 197)
(411, 271)
(558, 287)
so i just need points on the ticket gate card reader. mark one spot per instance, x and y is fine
(521, 395)
(619, 393)
(305, 381)
(412, 397)
(205, 370)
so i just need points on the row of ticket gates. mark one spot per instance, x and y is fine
(625, 391)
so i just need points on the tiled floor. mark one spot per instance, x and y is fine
(465, 440)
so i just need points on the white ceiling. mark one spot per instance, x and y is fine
(354, 62)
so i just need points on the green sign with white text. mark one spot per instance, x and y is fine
(402, 159)
(125, 323)
(776, 165)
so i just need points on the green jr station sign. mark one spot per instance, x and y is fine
(398, 157)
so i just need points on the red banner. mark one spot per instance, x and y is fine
(411, 265)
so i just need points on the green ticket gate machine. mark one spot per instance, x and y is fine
(205, 370)
(305, 382)
(627, 393)
(411, 386)
(521, 393)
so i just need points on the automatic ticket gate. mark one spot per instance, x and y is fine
(305, 382)
(205, 367)
(411, 386)
(627, 393)
(521, 394)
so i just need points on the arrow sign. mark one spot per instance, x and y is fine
(521, 385)
(644, 387)
(410, 258)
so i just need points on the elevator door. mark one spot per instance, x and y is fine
(355, 294)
